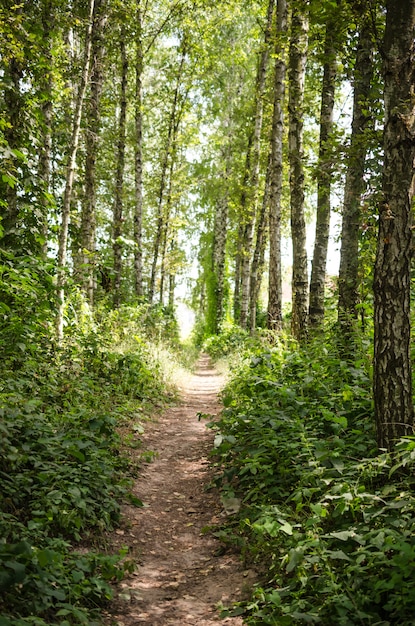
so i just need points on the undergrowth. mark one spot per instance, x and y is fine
(328, 519)
(62, 476)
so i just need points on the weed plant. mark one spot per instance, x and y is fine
(329, 519)
(62, 477)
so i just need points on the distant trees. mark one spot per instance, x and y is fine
(140, 140)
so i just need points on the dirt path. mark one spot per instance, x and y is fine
(182, 574)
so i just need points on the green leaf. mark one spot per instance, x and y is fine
(134, 500)
(286, 528)
(46, 556)
(345, 535)
(77, 576)
(338, 554)
(296, 557)
(58, 594)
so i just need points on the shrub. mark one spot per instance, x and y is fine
(328, 518)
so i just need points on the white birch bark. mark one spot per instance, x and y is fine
(70, 176)
(297, 66)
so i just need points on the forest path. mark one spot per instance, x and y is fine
(181, 572)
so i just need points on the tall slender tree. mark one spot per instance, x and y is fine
(70, 172)
(355, 183)
(119, 181)
(93, 114)
(48, 18)
(168, 153)
(257, 265)
(250, 191)
(138, 153)
(324, 171)
(276, 171)
(297, 67)
(394, 409)
(13, 111)
(220, 233)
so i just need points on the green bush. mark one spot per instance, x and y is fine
(328, 519)
(232, 339)
(62, 477)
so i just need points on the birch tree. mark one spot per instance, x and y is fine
(46, 88)
(250, 189)
(394, 410)
(119, 181)
(138, 153)
(70, 173)
(297, 67)
(258, 257)
(167, 155)
(88, 213)
(355, 183)
(324, 172)
(276, 172)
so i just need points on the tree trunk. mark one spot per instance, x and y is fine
(88, 215)
(70, 175)
(138, 158)
(172, 287)
(392, 366)
(237, 274)
(119, 183)
(171, 138)
(218, 258)
(276, 173)
(259, 253)
(250, 191)
(13, 134)
(165, 226)
(324, 175)
(297, 65)
(45, 149)
(355, 185)
(169, 196)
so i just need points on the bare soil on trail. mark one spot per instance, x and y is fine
(182, 573)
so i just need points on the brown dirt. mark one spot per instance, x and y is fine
(182, 573)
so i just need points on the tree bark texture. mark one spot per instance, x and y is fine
(170, 195)
(138, 157)
(237, 274)
(88, 214)
(250, 190)
(166, 221)
(119, 181)
(392, 367)
(297, 66)
(174, 122)
(324, 175)
(274, 313)
(218, 260)
(70, 174)
(355, 184)
(13, 134)
(46, 86)
(261, 237)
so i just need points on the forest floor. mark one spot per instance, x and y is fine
(183, 572)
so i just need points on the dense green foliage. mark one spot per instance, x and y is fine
(327, 517)
(62, 476)
(137, 141)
